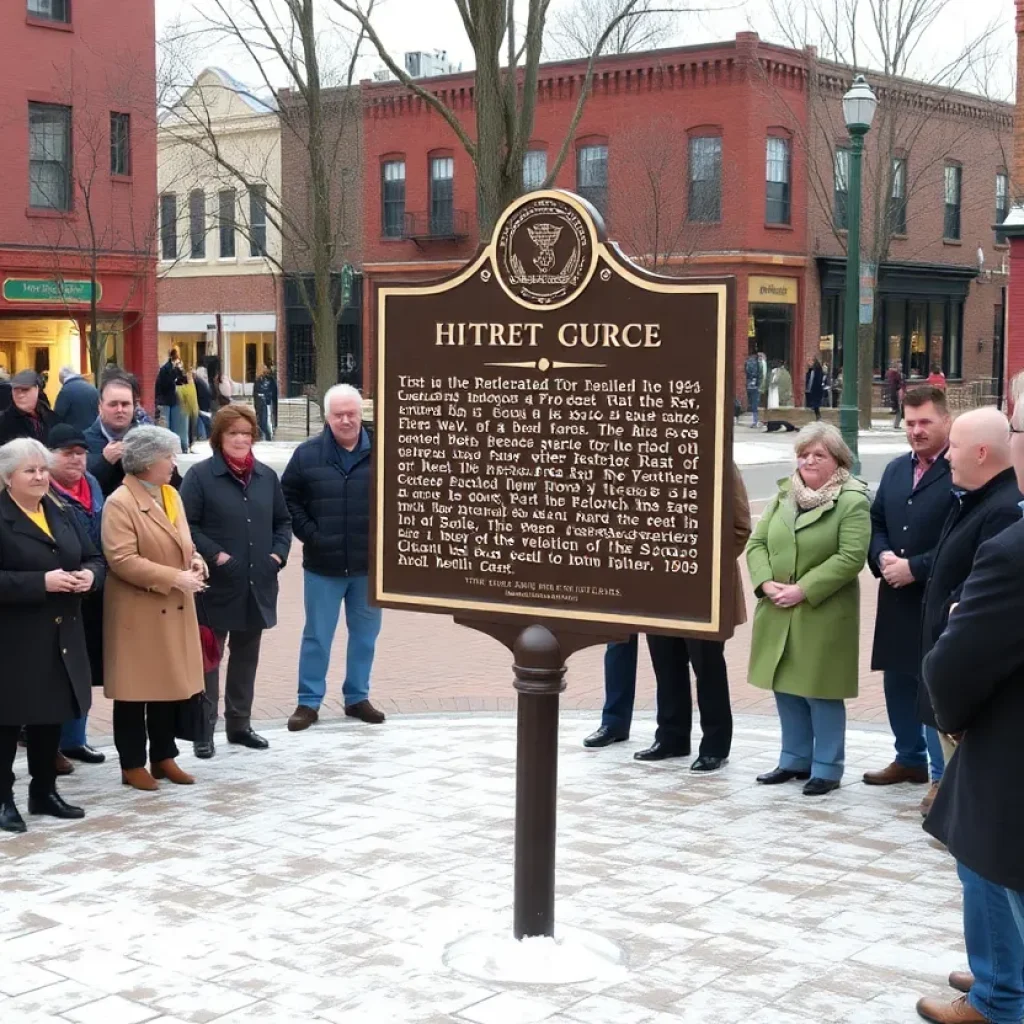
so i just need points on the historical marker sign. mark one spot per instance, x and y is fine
(553, 436)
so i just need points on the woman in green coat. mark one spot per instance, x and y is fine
(804, 558)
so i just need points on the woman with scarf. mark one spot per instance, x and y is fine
(804, 559)
(240, 523)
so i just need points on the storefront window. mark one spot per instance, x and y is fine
(917, 324)
(937, 334)
(830, 340)
(895, 327)
(954, 361)
(918, 335)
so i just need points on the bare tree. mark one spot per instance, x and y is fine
(507, 52)
(576, 28)
(913, 133)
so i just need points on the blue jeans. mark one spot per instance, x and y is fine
(1017, 906)
(753, 400)
(813, 735)
(176, 421)
(916, 744)
(323, 596)
(619, 686)
(995, 949)
(72, 734)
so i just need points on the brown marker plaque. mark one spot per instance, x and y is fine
(553, 430)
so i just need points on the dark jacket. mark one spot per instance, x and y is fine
(975, 677)
(975, 517)
(814, 387)
(109, 475)
(908, 522)
(6, 397)
(46, 676)
(78, 403)
(265, 391)
(14, 423)
(330, 509)
(249, 523)
(204, 396)
(168, 378)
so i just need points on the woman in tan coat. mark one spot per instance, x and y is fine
(152, 655)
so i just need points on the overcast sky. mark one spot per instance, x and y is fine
(435, 25)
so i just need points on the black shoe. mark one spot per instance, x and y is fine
(10, 819)
(819, 787)
(54, 805)
(204, 749)
(248, 738)
(85, 754)
(708, 764)
(602, 738)
(659, 752)
(777, 775)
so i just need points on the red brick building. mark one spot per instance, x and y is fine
(726, 158)
(78, 183)
(1015, 226)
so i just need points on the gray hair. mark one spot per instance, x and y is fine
(65, 372)
(16, 453)
(146, 445)
(829, 438)
(341, 391)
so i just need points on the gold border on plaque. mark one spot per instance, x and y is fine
(637, 622)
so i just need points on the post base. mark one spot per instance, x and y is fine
(849, 427)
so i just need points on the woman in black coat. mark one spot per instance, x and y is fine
(47, 563)
(240, 524)
(814, 387)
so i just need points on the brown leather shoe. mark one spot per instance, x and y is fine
(138, 778)
(365, 712)
(896, 773)
(170, 771)
(64, 766)
(929, 799)
(957, 1012)
(302, 718)
(962, 981)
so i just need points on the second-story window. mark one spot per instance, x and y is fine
(168, 227)
(442, 195)
(257, 220)
(592, 176)
(705, 194)
(226, 202)
(951, 221)
(49, 153)
(898, 197)
(777, 192)
(393, 198)
(1002, 203)
(535, 169)
(50, 10)
(120, 144)
(197, 224)
(841, 188)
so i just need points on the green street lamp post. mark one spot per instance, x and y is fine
(859, 106)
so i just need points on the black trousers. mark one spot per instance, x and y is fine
(243, 652)
(671, 657)
(135, 720)
(43, 743)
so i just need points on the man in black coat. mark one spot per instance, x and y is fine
(327, 488)
(28, 416)
(78, 400)
(240, 524)
(907, 516)
(974, 675)
(106, 435)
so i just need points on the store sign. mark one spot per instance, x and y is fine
(30, 289)
(867, 292)
(553, 436)
(772, 289)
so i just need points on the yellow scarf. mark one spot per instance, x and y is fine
(39, 518)
(170, 499)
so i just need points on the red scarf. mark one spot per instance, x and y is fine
(81, 492)
(241, 469)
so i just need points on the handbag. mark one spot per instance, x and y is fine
(213, 649)
(193, 718)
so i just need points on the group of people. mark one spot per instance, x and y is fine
(770, 385)
(944, 536)
(115, 572)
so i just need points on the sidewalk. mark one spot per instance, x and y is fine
(322, 880)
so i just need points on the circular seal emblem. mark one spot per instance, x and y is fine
(545, 251)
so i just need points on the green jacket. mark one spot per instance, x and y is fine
(810, 650)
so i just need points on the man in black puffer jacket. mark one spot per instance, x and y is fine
(327, 488)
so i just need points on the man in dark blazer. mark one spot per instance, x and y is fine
(29, 415)
(907, 516)
(974, 675)
(78, 400)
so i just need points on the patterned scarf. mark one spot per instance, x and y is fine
(805, 498)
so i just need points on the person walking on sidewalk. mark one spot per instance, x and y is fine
(753, 375)
(327, 489)
(239, 522)
(907, 517)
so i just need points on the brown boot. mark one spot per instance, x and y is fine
(64, 766)
(302, 718)
(365, 712)
(138, 778)
(957, 1012)
(929, 799)
(170, 771)
(962, 981)
(897, 773)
